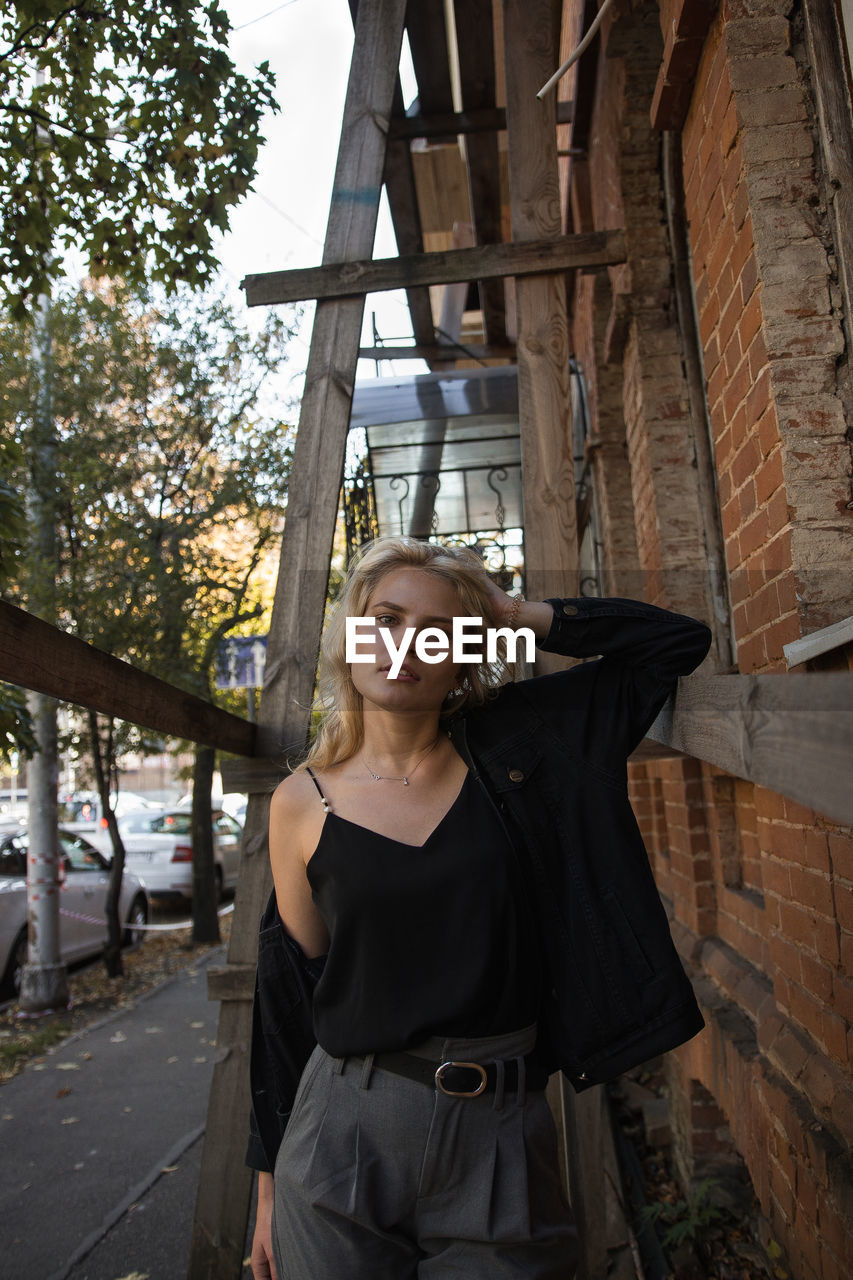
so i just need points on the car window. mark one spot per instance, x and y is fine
(13, 858)
(172, 824)
(79, 854)
(227, 826)
(134, 823)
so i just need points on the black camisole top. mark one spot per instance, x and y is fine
(425, 940)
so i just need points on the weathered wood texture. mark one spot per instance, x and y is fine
(790, 733)
(477, 74)
(223, 1199)
(403, 202)
(343, 279)
(583, 1120)
(36, 655)
(453, 124)
(550, 533)
(829, 83)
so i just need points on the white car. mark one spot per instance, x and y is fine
(81, 811)
(85, 878)
(159, 849)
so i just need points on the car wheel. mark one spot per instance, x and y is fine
(133, 934)
(219, 882)
(11, 984)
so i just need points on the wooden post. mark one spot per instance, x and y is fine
(224, 1192)
(544, 394)
(583, 1121)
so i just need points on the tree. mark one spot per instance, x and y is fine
(171, 481)
(127, 134)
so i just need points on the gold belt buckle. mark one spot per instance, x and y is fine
(458, 1093)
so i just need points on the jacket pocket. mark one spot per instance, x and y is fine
(636, 963)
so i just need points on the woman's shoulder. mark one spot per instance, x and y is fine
(293, 794)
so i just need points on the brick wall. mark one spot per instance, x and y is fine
(759, 888)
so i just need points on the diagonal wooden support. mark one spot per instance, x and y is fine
(224, 1192)
(527, 256)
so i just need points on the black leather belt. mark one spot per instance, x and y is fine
(462, 1079)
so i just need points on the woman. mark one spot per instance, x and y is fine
(462, 905)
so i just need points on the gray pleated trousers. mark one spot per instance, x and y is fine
(383, 1178)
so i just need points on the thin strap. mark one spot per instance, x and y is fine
(323, 799)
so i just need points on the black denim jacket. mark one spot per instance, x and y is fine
(551, 754)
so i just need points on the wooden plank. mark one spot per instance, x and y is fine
(819, 642)
(399, 180)
(454, 124)
(550, 530)
(342, 279)
(427, 31)
(283, 717)
(230, 981)
(829, 84)
(583, 1121)
(439, 351)
(36, 655)
(477, 74)
(790, 733)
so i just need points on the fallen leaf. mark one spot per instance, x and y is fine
(196, 1024)
(128, 1109)
(86, 1056)
(81, 1164)
(153, 1031)
(171, 1059)
(118, 1037)
(68, 1066)
(70, 1120)
(7, 1115)
(169, 1168)
(63, 1093)
(199, 1059)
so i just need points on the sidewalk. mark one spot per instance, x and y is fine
(101, 1143)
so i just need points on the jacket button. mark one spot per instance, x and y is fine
(515, 775)
(569, 610)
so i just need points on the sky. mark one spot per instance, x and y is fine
(282, 223)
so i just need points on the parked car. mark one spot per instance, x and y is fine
(81, 810)
(159, 848)
(82, 900)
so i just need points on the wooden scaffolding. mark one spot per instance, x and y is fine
(792, 734)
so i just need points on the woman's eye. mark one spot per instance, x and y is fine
(385, 619)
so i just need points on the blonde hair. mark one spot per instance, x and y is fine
(341, 726)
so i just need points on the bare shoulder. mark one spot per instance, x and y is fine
(296, 818)
(293, 796)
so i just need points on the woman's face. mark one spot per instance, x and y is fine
(408, 598)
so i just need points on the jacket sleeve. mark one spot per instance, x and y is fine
(282, 1034)
(607, 705)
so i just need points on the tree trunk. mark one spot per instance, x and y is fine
(44, 982)
(112, 951)
(205, 918)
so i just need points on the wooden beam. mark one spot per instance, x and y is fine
(477, 74)
(453, 124)
(427, 31)
(341, 279)
(36, 655)
(224, 1194)
(436, 352)
(402, 195)
(790, 733)
(825, 38)
(544, 392)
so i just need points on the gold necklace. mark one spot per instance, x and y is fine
(383, 777)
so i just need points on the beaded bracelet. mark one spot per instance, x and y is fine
(517, 602)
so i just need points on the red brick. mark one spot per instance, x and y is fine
(812, 889)
(796, 924)
(841, 852)
(769, 476)
(750, 320)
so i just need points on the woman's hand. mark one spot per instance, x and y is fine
(508, 612)
(263, 1262)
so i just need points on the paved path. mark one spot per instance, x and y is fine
(100, 1144)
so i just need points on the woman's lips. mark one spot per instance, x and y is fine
(405, 673)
